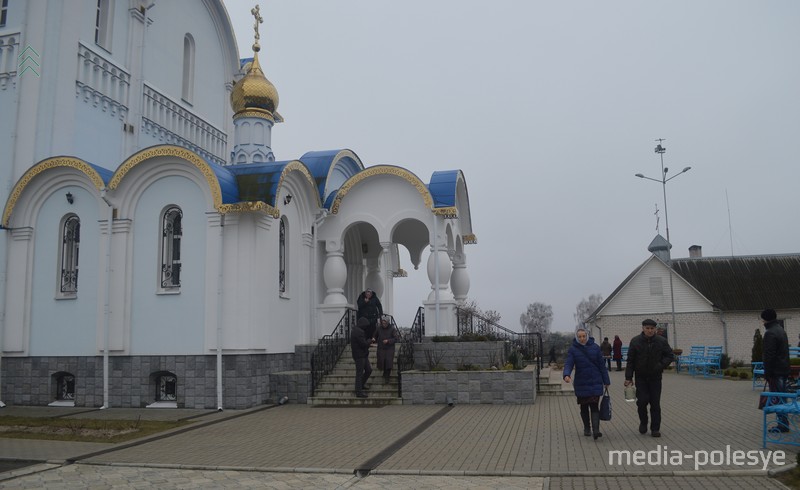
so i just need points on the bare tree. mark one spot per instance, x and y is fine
(471, 308)
(537, 319)
(586, 307)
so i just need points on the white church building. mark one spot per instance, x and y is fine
(154, 251)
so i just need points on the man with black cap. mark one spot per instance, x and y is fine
(648, 355)
(360, 346)
(775, 354)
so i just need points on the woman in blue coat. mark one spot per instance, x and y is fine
(591, 375)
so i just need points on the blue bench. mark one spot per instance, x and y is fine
(625, 355)
(758, 374)
(711, 364)
(758, 368)
(775, 432)
(691, 361)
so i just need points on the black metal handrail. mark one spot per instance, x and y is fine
(405, 354)
(469, 322)
(330, 347)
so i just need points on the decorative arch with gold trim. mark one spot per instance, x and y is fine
(44, 165)
(382, 170)
(171, 151)
(297, 165)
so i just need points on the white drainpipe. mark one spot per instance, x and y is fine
(107, 305)
(219, 312)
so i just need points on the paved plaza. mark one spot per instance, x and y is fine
(421, 446)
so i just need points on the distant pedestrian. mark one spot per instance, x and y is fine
(360, 346)
(648, 355)
(369, 307)
(386, 337)
(552, 355)
(617, 349)
(591, 376)
(776, 359)
(605, 349)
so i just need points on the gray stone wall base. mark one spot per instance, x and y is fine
(470, 387)
(246, 379)
(453, 355)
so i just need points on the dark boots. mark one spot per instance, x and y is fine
(596, 425)
(387, 373)
(587, 431)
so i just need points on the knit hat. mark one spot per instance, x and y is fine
(650, 322)
(362, 322)
(769, 315)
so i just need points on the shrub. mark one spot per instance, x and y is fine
(744, 375)
(728, 373)
(794, 361)
(758, 346)
(443, 338)
(737, 363)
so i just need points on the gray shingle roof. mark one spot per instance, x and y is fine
(745, 283)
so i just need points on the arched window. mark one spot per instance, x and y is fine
(3, 13)
(188, 68)
(282, 257)
(70, 245)
(171, 233)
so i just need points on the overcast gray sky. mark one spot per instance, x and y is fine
(549, 109)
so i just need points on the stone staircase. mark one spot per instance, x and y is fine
(551, 384)
(337, 387)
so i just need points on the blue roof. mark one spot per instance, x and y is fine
(443, 187)
(104, 173)
(258, 181)
(227, 183)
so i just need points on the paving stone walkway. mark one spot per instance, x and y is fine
(430, 446)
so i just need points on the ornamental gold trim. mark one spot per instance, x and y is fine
(255, 112)
(171, 151)
(469, 239)
(47, 164)
(249, 207)
(382, 170)
(447, 213)
(298, 166)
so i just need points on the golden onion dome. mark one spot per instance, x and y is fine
(253, 95)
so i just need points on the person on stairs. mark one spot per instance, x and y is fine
(591, 376)
(360, 347)
(386, 336)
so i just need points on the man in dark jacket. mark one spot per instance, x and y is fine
(776, 358)
(369, 307)
(648, 355)
(360, 346)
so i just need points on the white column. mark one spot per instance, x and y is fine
(334, 273)
(374, 280)
(387, 296)
(459, 281)
(444, 271)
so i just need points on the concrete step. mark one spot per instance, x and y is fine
(352, 400)
(347, 393)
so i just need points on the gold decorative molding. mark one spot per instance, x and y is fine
(42, 166)
(382, 170)
(297, 165)
(448, 213)
(255, 112)
(469, 239)
(171, 151)
(249, 207)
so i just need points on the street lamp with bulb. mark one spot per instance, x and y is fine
(663, 181)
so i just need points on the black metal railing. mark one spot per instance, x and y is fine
(527, 344)
(330, 347)
(405, 353)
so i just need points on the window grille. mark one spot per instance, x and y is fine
(171, 234)
(65, 387)
(166, 388)
(282, 257)
(70, 245)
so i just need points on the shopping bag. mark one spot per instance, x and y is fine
(605, 406)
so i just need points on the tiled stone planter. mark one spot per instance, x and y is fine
(453, 354)
(470, 387)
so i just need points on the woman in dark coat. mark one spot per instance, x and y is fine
(386, 336)
(617, 348)
(591, 376)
